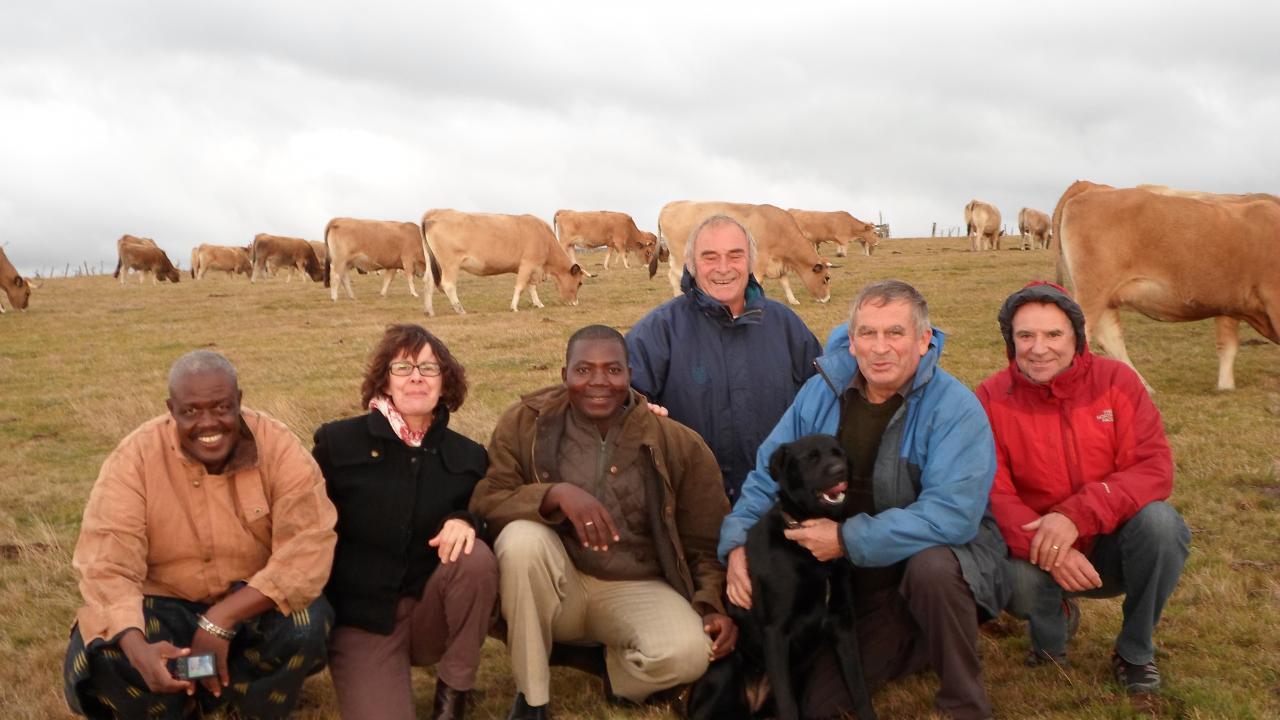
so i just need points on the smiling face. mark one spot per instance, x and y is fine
(415, 395)
(721, 263)
(206, 408)
(598, 379)
(1043, 340)
(887, 346)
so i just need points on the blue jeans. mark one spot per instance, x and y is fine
(1141, 560)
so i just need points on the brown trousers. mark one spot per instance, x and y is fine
(929, 621)
(447, 625)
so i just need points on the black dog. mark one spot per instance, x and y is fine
(797, 602)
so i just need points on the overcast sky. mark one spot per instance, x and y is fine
(208, 122)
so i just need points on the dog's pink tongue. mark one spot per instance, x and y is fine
(837, 489)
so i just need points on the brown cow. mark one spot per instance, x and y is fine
(780, 246)
(982, 224)
(838, 227)
(374, 245)
(231, 260)
(1174, 258)
(143, 255)
(278, 251)
(486, 244)
(1033, 226)
(616, 231)
(15, 286)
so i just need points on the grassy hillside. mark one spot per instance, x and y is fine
(87, 363)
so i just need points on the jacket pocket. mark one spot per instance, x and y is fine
(254, 510)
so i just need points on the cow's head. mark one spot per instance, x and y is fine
(818, 280)
(171, 274)
(568, 282)
(313, 266)
(18, 290)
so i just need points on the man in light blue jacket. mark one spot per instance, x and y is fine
(928, 555)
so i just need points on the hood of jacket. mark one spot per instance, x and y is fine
(1041, 291)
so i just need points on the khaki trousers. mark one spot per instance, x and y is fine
(653, 638)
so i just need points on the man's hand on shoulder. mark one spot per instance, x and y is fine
(151, 660)
(819, 536)
(1075, 573)
(658, 410)
(738, 579)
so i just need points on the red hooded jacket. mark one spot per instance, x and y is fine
(1088, 444)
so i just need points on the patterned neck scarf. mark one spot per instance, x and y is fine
(383, 404)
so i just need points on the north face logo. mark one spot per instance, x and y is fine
(1106, 416)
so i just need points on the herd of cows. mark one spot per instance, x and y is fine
(1172, 255)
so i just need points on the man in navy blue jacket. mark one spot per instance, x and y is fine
(722, 358)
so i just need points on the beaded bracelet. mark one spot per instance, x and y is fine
(207, 625)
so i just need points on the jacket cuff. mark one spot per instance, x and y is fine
(110, 622)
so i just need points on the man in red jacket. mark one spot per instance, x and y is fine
(1083, 472)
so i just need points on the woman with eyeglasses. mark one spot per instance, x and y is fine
(411, 582)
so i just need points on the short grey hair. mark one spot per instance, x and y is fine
(717, 220)
(883, 292)
(200, 361)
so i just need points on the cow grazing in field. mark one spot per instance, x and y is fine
(143, 255)
(387, 245)
(780, 246)
(616, 231)
(277, 251)
(1174, 257)
(982, 223)
(838, 227)
(486, 244)
(231, 260)
(16, 288)
(1033, 226)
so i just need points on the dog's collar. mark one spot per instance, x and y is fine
(789, 521)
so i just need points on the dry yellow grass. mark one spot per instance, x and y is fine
(87, 363)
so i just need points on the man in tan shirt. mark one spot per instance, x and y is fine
(208, 530)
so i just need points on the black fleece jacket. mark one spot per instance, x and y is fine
(391, 500)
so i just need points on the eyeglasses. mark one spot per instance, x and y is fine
(403, 368)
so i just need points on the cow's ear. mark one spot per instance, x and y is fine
(778, 462)
(17, 281)
(576, 270)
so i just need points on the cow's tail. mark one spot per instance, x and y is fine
(195, 253)
(433, 265)
(328, 253)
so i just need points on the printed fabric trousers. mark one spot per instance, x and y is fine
(271, 655)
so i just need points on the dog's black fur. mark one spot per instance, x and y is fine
(797, 602)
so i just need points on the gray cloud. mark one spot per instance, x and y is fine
(209, 122)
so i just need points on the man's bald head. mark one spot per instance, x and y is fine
(199, 362)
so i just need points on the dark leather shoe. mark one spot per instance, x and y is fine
(521, 710)
(450, 704)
